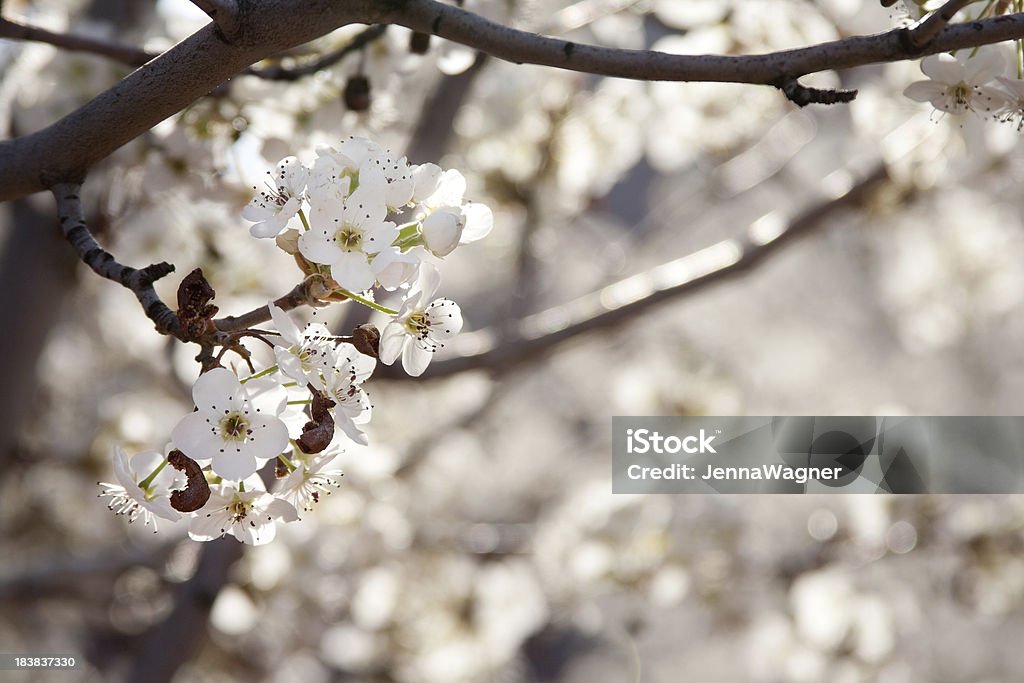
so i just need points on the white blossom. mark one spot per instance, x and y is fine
(227, 430)
(307, 354)
(244, 510)
(310, 479)
(272, 210)
(346, 235)
(420, 327)
(343, 385)
(129, 496)
(957, 85)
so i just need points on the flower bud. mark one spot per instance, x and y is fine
(442, 230)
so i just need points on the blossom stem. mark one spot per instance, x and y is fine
(144, 484)
(366, 302)
(302, 217)
(286, 462)
(305, 402)
(1018, 5)
(262, 373)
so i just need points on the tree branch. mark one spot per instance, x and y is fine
(123, 53)
(358, 42)
(928, 28)
(521, 47)
(103, 263)
(63, 152)
(613, 305)
(224, 14)
(299, 296)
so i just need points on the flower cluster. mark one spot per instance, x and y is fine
(363, 220)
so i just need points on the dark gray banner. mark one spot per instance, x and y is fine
(818, 454)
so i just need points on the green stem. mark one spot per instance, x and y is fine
(144, 484)
(263, 373)
(286, 462)
(366, 302)
(305, 402)
(302, 217)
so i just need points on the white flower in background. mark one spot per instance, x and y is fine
(420, 327)
(958, 84)
(345, 236)
(307, 354)
(130, 497)
(343, 385)
(310, 479)
(1014, 109)
(271, 210)
(246, 511)
(227, 430)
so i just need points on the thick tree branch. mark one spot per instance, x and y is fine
(64, 151)
(103, 263)
(123, 53)
(522, 47)
(617, 303)
(224, 14)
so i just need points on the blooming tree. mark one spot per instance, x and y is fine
(275, 130)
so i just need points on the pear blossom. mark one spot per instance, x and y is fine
(134, 494)
(438, 192)
(310, 479)
(394, 267)
(1014, 109)
(272, 210)
(345, 236)
(308, 353)
(227, 430)
(343, 385)
(420, 327)
(244, 510)
(958, 84)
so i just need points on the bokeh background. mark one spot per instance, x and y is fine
(476, 539)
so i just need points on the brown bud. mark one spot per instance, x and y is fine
(366, 339)
(194, 308)
(419, 43)
(357, 93)
(318, 433)
(196, 491)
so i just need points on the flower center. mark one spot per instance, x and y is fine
(349, 239)
(418, 325)
(239, 510)
(961, 94)
(234, 427)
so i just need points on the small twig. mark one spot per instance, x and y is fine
(123, 53)
(133, 56)
(926, 30)
(802, 95)
(223, 12)
(278, 73)
(299, 296)
(103, 263)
